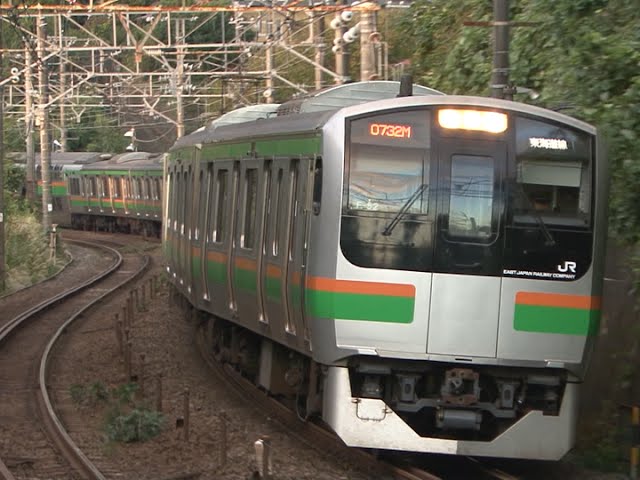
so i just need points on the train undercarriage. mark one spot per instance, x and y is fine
(113, 224)
(412, 405)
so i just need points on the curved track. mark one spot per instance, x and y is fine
(33, 440)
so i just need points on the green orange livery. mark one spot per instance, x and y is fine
(557, 313)
(356, 300)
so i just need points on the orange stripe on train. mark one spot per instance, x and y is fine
(364, 288)
(558, 300)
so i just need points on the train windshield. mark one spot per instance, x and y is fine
(387, 163)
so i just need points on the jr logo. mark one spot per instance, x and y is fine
(567, 267)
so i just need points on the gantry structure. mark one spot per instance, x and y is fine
(172, 66)
(155, 62)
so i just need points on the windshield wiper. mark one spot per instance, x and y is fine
(549, 240)
(401, 213)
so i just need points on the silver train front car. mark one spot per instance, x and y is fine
(440, 258)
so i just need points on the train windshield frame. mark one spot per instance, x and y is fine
(419, 194)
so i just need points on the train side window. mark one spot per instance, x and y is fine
(169, 200)
(222, 185)
(277, 196)
(247, 239)
(74, 186)
(202, 195)
(105, 187)
(317, 186)
(94, 188)
(471, 196)
(183, 202)
(293, 207)
(117, 188)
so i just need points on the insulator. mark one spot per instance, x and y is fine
(349, 37)
(346, 16)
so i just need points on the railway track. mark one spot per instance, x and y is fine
(33, 441)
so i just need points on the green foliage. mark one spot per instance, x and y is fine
(89, 395)
(449, 56)
(124, 394)
(138, 425)
(603, 445)
(580, 54)
(125, 420)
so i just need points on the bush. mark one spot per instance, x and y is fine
(138, 425)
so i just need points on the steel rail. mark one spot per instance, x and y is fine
(56, 431)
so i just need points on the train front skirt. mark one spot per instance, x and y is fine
(371, 423)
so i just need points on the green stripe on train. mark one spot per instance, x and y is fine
(111, 173)
(56, 190)
(288, 147)
(544, 319)
(245, 279)
(228, 151)
(356, 306)
(273, 289)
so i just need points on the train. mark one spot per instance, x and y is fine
(422, 272)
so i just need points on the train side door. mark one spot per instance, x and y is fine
(248, 250)
(297, 217)
(204, 224)
(465, 293)
(231, 217)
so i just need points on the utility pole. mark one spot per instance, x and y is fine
(180, 35)
(43, 115)
(315, 37)
(341, 52)
(500, 72)
(28, 102)
(63, 87)
(2, 238)
(367, 58)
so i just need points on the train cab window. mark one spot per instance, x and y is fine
(93, 189)
(247, 238)
(222, 186)
(387, 221)
(388, 156)
(471, 197)
(148, 193)
(553, 174)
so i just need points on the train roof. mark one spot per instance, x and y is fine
(64, 158)
(348, 94)
(305, 123)
(299, 124)
(128, 161)
(303, 114)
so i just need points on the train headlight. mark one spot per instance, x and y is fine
(479, 120)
